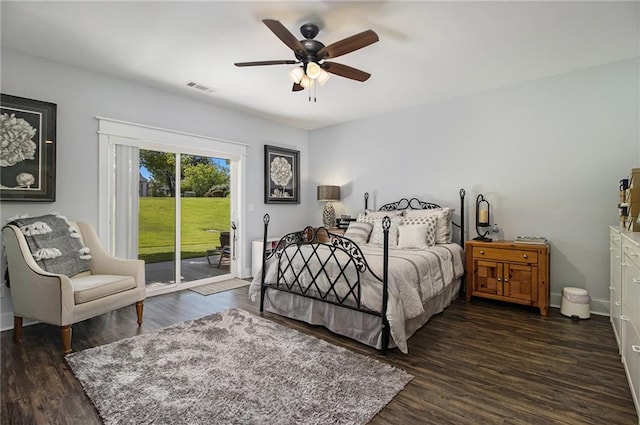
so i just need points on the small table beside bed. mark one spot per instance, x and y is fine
(391, 271)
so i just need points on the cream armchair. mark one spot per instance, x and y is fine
(111, 283)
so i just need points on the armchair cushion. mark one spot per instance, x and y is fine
(93, 287)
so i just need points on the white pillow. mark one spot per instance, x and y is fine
(413, 236)
(443, 225)
(358, 232)
(377, 234)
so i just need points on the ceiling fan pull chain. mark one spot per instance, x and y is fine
(315, 92)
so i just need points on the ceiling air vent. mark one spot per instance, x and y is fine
(201, 87)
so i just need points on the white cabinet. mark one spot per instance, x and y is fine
(615, 285)
(625, 303)
(256, 253)
(631, 359)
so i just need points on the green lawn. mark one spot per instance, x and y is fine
(202, 220)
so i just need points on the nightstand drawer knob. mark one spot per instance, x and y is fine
(525, 256)
(499, 279)
(506, 280)
(482, 252)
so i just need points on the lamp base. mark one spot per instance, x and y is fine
(328, 216)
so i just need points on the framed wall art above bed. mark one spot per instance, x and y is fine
(28, 154)
(281, 175)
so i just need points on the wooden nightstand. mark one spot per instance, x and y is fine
(507, 271)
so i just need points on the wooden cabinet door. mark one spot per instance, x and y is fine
(488, 277)
(521, 282)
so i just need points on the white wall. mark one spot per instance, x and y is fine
(82, 95)
(547, 154)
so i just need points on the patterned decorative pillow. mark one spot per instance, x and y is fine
(370, 216)
(443, 225)
(358, 232)
(362, 218)
(377, 234)
(382, 214)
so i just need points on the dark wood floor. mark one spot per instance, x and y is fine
(477, 363)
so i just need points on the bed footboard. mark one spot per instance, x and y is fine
(317, 264)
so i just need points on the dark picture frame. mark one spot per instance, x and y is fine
(28, 160)
(281, 175)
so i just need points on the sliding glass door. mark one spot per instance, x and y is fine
(183, 216)
(173, 200)
(205, 217)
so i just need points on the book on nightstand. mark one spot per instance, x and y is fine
(535, 240)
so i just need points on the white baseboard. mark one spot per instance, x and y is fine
(6, 321)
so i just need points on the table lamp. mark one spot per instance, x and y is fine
(328, 194)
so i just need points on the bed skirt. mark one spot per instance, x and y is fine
(362, 327)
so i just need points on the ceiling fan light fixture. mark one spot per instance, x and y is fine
(306, 82)
(296, 74)
(323, 77)
(313, 70)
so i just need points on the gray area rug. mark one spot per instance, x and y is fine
(225, 285)
(233, 368)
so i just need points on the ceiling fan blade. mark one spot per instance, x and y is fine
(285, 35)
(348, 45)
(345, 71)
(260, 63)
(297, 87)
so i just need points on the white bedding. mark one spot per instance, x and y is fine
(415, 276)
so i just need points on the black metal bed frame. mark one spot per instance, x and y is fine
(404, 204)
(351, 266)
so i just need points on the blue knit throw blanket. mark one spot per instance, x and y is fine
(54, 245)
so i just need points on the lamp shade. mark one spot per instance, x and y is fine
(313, 70)
(306, 82)
(328, 193)
(324, 76)
(296, 74)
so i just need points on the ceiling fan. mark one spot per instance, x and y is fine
(312, 54)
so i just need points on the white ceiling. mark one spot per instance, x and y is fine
(427, 51)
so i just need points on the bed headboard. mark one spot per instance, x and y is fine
(416, 204)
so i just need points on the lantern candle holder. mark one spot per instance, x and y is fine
(483, 218)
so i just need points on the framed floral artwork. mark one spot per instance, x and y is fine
(28, 149)
(281, 175)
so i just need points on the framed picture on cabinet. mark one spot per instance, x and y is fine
(281, 175)
(28, 154)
